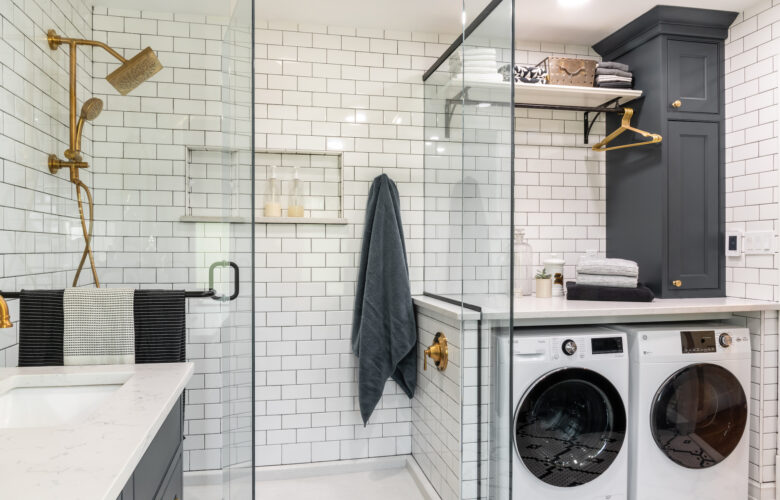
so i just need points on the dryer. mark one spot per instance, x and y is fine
(689, 406)
(570, 397)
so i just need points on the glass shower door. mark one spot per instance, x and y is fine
(237, 329)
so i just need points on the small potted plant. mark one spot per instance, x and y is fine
(543, 284)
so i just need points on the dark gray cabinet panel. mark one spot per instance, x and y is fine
(158, 475)
(693, 195)
(693, 76)
(665, 202)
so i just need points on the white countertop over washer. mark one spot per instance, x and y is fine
(92, 458)
(558, 310)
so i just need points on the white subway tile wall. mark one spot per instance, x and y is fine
(751, 145)
(436, 408)
(359, 92)
(752, 204)
(560, 183)
(194, 111)
(41, 234)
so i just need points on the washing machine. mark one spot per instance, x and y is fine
(689, 398)
(570, 394)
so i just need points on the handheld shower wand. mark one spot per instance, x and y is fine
(132, 73)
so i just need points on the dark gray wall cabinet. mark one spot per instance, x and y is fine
(665, 202)
(159, 475)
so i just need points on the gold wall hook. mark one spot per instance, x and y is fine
(438, 352)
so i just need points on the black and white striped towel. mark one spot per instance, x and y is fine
(160, 326)
(158, 315)
(40, 328)
(99, 328)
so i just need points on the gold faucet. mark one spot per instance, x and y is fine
(5, 316)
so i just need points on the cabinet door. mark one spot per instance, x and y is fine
(693, 77)
(694, 214)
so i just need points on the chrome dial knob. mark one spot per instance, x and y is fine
(569, 347)
(725, 340)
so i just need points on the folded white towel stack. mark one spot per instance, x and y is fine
(99, 326)
(600, 271)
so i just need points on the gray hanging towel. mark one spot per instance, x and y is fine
(384, 333)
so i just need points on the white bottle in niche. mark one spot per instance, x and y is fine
(523, 264)
(273, 188)
(295, 206)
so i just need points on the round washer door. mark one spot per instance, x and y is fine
(569, 427)
(699, 415)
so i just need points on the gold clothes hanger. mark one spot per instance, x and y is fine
(625, 125)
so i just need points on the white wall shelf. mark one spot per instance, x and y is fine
(554, 97)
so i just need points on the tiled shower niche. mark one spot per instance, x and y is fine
(320, 173)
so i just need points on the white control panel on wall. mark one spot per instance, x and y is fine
(758, 242)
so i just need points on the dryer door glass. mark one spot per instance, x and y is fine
(569, 427)
(699, 415)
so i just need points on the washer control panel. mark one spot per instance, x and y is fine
(698, 341)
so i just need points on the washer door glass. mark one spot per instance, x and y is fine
(569, 427)
(699, 415)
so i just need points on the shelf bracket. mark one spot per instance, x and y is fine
(587, 124)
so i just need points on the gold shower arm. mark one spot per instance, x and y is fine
(55, 41)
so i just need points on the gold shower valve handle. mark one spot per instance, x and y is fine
(438, 352)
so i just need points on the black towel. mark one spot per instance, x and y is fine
(160, 326)
(41, 327)
(384, 332)
(608, 293)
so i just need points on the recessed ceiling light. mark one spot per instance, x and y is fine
(572, 3)
(483, 105)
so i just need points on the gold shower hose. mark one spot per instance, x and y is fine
(87, 232)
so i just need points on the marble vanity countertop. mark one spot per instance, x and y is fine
(93, 457)
(557, 310)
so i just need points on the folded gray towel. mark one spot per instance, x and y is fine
(615, 85)
(99, 327)
(604, 280)
(384, 331)
(612, 65)
(607, 267)
(614, 72)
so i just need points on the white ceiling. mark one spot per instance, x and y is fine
(538, 20)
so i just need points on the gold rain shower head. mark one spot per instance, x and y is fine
(135, 71)
(127, 77)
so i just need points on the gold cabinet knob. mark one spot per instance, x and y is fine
(438, 352)
(677, 283)
(677, 104)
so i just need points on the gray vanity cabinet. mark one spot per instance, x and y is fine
(159, 475)
(665, 202)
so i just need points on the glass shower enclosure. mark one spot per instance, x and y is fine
(469, 216)
(165, 198)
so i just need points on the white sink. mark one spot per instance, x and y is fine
(48, 401)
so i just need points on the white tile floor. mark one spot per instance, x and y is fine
(383, 484)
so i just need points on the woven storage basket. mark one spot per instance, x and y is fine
(568, 71)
